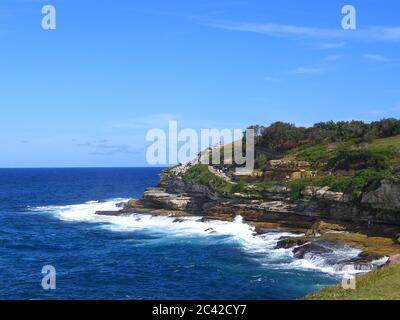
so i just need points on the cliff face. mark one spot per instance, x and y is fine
(386, 197)
(380, 206)
(370, 223)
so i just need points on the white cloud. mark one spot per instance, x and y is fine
(307, 70)
(368, 34)
(376, 57)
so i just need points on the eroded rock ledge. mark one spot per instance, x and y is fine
(372, 225)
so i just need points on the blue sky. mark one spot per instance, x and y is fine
(86, 93)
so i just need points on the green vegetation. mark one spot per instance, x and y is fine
(169, 169)
(358, 160)
(382, 284)
(200, 174)
(364, 180)
(350, 157)
(375, 143)
(349, 167)
(280, 137)
(315, 154)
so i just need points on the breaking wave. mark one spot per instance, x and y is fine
(261, 247)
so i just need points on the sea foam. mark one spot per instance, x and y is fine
(261, 247)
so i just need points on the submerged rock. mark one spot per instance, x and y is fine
(287, 243)
(313, 248)
(109, 213)
(122, 205)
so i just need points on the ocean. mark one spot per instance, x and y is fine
(47, 218)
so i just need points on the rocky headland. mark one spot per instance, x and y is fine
(319, 215)
(335, 185)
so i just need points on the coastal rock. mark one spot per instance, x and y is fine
(278, 189)
(387, 196)
(158, 197)
(108, 213)
(122, 205)
(287, 243)
(318, 239)
(321, 227)
(394, 260)
(312, 248)
(288, 165)
(324, 193)
(328, 253)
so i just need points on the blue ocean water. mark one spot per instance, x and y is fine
(47, 218)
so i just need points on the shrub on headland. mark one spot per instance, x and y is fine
(281, 136)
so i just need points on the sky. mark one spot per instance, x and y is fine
(86, 93)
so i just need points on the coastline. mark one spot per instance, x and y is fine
(318, 233)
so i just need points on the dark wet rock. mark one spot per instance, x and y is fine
(109, 213)
(178, 220)
(287, 243)
(210, 230)
(313, 248)
(122, 205)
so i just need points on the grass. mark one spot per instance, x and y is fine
(363, 180)
(382, 284)
(200, 173)
(372, 162)
(385, 145)
(388, 147)
(363, 159)
(314, 154)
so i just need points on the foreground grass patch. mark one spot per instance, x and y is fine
(382, 284)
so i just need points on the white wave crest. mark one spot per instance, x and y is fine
(262, 247)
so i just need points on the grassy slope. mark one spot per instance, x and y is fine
(319, 154)
(382, 284)
(315, 154)
(322, 152)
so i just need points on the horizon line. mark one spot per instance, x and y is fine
(100, 167)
